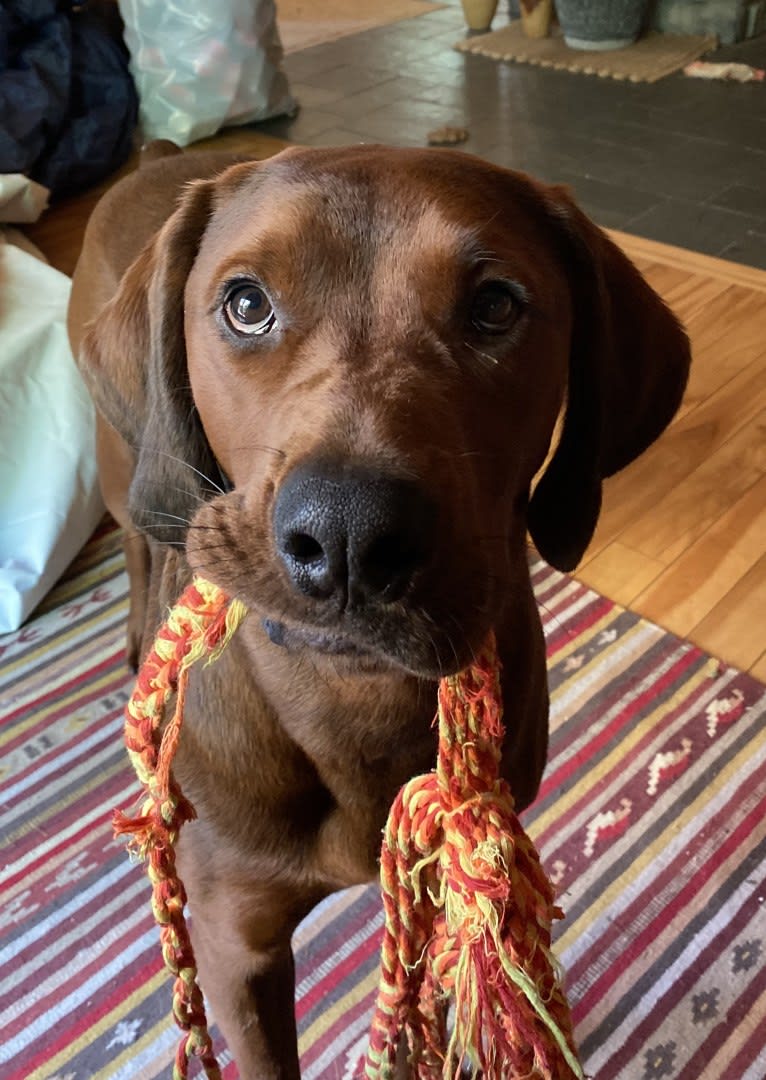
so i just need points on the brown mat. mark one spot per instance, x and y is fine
(303, 23)
(649, 59)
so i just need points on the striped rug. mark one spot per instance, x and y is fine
(650, 820)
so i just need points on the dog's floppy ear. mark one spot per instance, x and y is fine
(628, 366)
(133, 357)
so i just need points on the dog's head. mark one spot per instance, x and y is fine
(341, 371)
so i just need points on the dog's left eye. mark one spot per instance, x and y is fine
(248, 309)
(495, 308)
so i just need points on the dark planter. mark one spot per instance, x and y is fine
(601, 24)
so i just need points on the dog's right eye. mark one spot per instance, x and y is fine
(248, 309)
(496, 307)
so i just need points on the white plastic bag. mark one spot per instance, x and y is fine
(21, 199)
(49, 497)
(200, 65)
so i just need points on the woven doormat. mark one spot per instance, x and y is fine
(649, 59)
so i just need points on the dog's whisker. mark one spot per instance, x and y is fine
(186, 465)
(489, 362)
(455, 653)
(570, 633)
(203, 500)
(191, 494)
(453, 618)
(163, 513)
(260, 446)
(475, 453)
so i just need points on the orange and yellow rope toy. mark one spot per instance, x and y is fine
(468, 907)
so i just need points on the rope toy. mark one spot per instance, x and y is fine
(468, 907)
(200, 624)
(468, 912)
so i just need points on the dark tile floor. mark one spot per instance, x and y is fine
(681, 160)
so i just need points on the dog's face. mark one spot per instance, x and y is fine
(377, 362)
(374, 348)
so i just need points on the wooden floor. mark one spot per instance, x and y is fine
(682, 538)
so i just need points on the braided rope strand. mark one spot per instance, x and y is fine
(199, 625)
(458, 863)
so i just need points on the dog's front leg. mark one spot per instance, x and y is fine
(116, 462)
(252, 999)
(241, 933)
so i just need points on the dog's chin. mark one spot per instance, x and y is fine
(358, 656)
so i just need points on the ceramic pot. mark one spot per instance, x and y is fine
(601, 24)
(479, 14)
(536, 16)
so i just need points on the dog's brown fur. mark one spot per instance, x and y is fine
(296, 741)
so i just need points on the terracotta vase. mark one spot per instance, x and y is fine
(479, 14)
(536, 16)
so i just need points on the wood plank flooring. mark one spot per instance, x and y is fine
(682, 538)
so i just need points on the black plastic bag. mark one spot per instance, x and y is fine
(68, 105)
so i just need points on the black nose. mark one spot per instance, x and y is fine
(350, 533)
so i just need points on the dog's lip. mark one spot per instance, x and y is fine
(339, 645)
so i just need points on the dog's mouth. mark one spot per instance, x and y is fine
(387, 644)
(339, 646)
(429, 632)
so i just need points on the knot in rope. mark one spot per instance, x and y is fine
(469, 913)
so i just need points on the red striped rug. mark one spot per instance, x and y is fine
(651, 821)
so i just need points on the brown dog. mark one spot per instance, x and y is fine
(326, 382)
